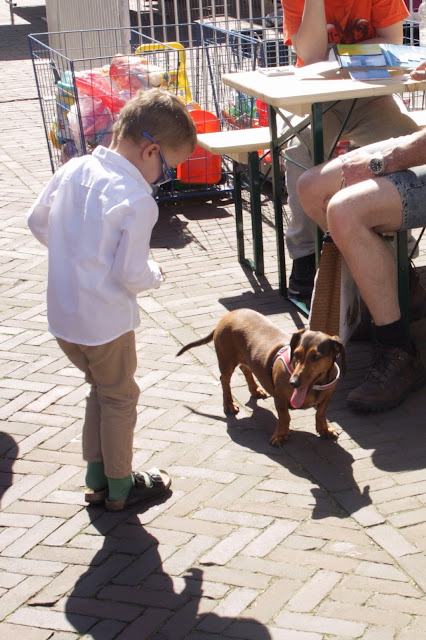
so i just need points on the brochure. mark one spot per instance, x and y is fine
(371, 61)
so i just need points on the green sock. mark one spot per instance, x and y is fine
(119, 488)
(95, 476)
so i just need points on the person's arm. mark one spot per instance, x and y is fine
(388, 35)
(405, 152)
(311, 40)
(132, 267)
(38, 215)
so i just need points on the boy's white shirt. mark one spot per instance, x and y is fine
(96, 216)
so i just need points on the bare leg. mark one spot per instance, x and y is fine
(316, 187)
(355, 216)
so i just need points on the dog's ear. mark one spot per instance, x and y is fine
(295, 339)
(338, 348)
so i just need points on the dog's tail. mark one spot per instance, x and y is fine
(197, 343)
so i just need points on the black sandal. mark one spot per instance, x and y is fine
(147, 486)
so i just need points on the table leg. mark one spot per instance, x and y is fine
(257, 264)
(318, 157)
(403, 278)
(256, 213)
(278, 202)
(238, 211)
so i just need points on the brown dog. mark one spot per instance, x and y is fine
(298, 373)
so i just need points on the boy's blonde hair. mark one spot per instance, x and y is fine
(161, 114)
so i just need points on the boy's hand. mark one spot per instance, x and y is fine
(161, 271)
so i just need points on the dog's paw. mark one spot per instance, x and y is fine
(278, 440)
(231, 409)
(260, 393)
(329, 433)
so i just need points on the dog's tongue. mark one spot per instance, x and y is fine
(298, 397)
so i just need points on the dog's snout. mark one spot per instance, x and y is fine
(294, 381)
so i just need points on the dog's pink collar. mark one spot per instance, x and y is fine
(284, 354)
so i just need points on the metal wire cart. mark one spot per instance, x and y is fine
(85, 77)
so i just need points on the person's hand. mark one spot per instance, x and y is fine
(161, 271)
(419, 73)
(355, 167)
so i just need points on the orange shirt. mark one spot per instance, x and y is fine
(348, 21)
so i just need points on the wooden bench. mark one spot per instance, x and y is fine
(242, 146)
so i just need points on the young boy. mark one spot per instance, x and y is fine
(96, 217)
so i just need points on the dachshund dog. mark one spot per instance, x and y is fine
(298, 372)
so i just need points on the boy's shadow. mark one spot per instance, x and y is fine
(8, 454)
(125, 589)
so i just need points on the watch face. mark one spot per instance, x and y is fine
(376, 165)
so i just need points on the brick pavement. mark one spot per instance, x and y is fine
(314, 541)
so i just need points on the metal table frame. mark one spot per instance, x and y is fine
(270, 91)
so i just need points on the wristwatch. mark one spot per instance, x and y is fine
(377, 164)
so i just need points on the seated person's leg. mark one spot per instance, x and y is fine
(300, 234)
(373, 120)
(355, 216)
(310, 191)
(376, 122)
(315, 188)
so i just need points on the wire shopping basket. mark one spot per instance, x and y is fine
(85, 77)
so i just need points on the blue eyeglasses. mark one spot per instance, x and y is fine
(167, 174)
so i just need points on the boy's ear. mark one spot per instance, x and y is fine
(148, 150)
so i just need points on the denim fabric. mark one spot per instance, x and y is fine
(411, 185)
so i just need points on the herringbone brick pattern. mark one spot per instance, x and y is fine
(314, 541)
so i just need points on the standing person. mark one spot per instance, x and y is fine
(96, 216)
(385, 192)
(311, 26)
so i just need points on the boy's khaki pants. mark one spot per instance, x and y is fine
(110, 417)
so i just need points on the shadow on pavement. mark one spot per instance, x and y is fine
(396, 438)
(8, 454)
(305, 455)
(126, 593)
(13, 37)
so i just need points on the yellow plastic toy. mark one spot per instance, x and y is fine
(178, 78)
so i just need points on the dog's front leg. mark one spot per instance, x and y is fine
(322, 426)
(228, 402)
(282, 430)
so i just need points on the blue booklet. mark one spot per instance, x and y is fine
(369, 74)
(372, 61)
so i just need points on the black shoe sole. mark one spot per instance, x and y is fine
(304, 294)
